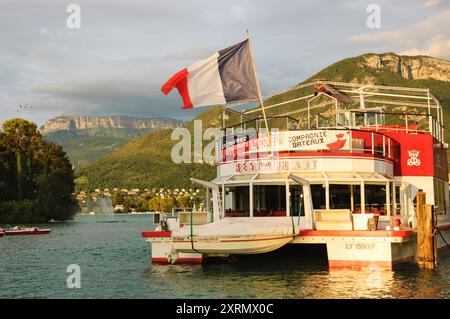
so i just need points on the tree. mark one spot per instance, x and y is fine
(167, 204)
(55, 184)
(183, 201)
(36, 174)
(118, 198)
(127, 205)
(154, 204)
(7, 172)
(22, 139)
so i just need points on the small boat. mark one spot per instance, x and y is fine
(17, 230)
(232, 245)
(228, 236)
(2, 232)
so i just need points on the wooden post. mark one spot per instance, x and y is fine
(426, 240)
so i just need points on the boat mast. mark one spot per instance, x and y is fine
(257, 81)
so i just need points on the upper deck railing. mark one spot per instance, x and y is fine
(326, 104)
(259, 144)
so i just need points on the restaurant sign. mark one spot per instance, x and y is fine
(233, 146)
(313, 140)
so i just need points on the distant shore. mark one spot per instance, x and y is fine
(117, 214)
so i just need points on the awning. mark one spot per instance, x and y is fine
(312, 177)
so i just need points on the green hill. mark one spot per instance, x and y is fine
(146, 163)
(87, 146)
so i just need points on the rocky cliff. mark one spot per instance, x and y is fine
(410, 67)
(68, 123)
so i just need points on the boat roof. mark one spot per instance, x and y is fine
(311, 176)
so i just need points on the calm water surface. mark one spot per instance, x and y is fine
(115, 263)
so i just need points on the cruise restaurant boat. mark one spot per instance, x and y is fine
(339, 165)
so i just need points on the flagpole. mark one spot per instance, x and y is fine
(257, 82)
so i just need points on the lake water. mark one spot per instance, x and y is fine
(115, 263)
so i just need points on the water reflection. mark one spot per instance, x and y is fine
(289, 276)
(115, 263)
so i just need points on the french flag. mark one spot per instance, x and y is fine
(225, 77)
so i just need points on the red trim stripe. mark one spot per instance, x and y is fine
(357, 264)
(156, 234)
(358, 233)
(179, 81)
(160, 260)
(179, 260)
(188, 260)
(26, 233)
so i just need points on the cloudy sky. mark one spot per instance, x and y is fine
(124, 51)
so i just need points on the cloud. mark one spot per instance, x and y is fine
(238, 11)
(189, 54)
(438, 45)
(432, 3)
(111, 86)
(123, 53)
(428, 36)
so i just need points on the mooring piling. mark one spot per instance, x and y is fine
(426, 237)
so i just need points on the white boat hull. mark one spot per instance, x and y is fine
(230, 246)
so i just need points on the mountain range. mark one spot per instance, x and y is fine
(145, 162)
(87, 139)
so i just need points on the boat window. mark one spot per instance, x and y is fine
(340, 196)
(269, 200)
(237, 201)
(356, 191)
(297, 205)
(318, 196)
(439, 195)
(398, 200)
(359, 119)
(374, 118)
(375, 198)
